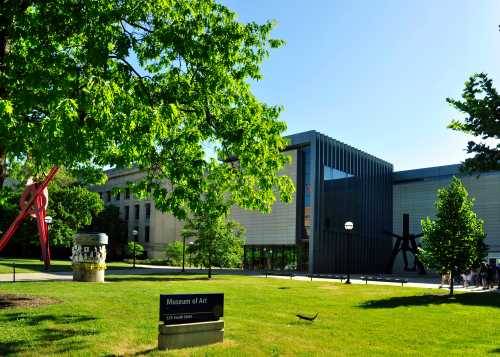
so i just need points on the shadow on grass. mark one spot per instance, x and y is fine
(496, 350)
(62, 338)
(139, 353)
(490, 299)
(35, 267)
(29, 319)
(118, 278)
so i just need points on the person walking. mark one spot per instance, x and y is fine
(492, 274)
(483, 273)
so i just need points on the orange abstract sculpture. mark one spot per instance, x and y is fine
(34, 202)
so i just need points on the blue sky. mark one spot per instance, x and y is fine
(375, 74)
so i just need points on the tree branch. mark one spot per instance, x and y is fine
(141, 78)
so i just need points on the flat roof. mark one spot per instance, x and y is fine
(444, 171)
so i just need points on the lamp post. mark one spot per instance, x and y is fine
(134, 234)
(348, 226)
(48, 220)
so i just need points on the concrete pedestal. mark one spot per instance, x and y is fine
(190, 335)
(96, 276)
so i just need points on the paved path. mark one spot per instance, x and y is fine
(431, 282)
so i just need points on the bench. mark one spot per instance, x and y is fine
(340, 277)
(384, 279)
(289, 273)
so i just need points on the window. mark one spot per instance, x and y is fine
(127, 193)
(108, 196)
(117, 196)
(136, 211)
(146, 234)
(148, 188)
(100, 195)
(127, 213)
(148, 210)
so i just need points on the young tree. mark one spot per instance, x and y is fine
(173, 253)
(139, 250)
(156, 84)
(217, 242)
(454, 242)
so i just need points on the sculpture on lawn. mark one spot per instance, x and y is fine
(33, 202)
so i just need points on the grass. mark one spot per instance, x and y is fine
(121, 318)
(28, 265)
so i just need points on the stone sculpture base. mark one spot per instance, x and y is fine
(190, 335)
(95, 276)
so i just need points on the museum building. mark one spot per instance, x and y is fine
(334, 183)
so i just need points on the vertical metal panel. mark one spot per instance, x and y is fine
(364, 198)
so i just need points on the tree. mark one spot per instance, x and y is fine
(453, 243)
(157, 84)
(481, 103)
(218, 242)
(173, 253)
(139, 249)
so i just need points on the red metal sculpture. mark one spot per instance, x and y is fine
(33, 202)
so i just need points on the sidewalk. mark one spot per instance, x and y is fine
(414, 281)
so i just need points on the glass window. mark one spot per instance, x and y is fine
(148, 210)
(329, 173)
(127, 213)
(108, 196)
(117, 196)
(127, 193)
(146, 234)
(136, 211)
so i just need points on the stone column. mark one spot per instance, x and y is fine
(89, 257)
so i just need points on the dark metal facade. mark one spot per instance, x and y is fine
(338, 183)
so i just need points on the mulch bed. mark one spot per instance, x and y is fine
(15, 300)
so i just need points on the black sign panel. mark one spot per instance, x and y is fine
(187, 308)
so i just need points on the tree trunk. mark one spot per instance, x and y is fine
(4, 49)
(451, 283)
(210, 264)
(3, 166)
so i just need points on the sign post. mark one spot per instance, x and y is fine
(190, 320)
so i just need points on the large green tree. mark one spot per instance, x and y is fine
(454, 242)
(481, 103)
(161, 84)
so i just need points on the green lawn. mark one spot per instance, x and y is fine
(121, 318)
(28, 265)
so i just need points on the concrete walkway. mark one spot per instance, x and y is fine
(428, 282)
(414, 281)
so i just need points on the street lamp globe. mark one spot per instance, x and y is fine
(48, 219)
(348, 226)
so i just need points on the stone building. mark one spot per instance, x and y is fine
(334, 183)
